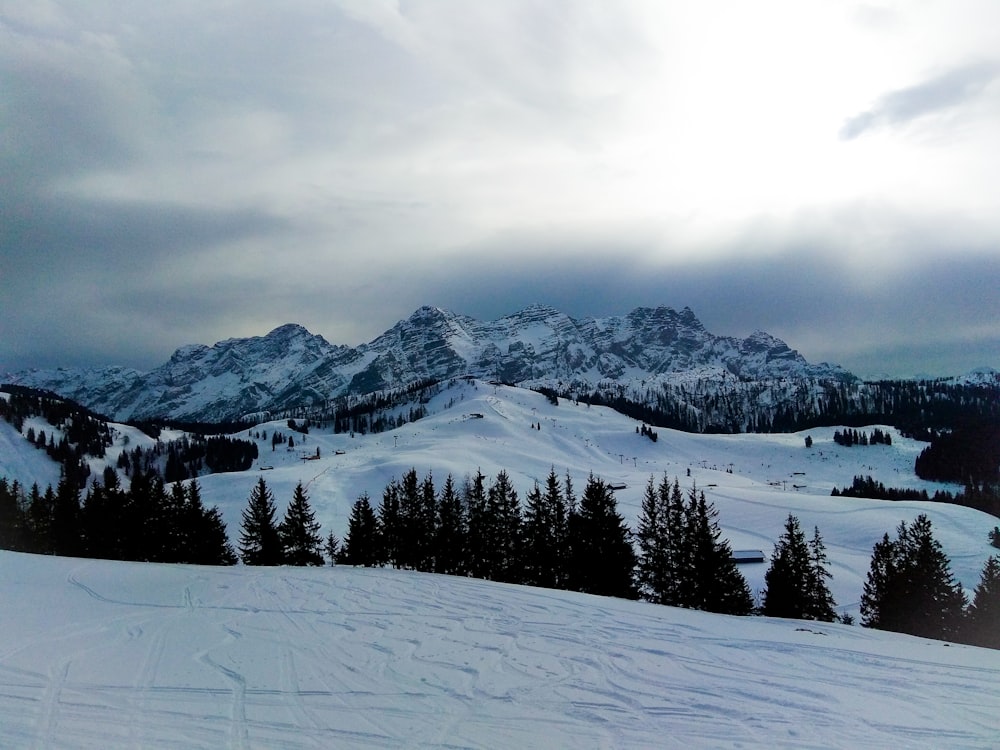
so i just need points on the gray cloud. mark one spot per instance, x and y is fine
(915, 316)
(85, 277)
(68, 234)
(180, 173)
(943, 92)
(935, 315)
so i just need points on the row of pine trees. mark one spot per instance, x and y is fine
(480, 529)
(145, 522)
(555, 540)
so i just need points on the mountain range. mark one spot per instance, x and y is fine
(291, 368)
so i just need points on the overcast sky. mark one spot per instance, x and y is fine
(184, 172)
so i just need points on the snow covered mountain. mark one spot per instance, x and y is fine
(979, 376)
(234, 377)
(538, 346)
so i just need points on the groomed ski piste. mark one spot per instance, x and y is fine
(99, 654)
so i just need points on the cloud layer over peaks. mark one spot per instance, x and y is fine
(183, 173)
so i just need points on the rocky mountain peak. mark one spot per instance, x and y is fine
(289, 331)
(429, 314)
(761, 341)
(539, 345)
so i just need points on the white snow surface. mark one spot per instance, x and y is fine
(22, 461)
(102, 654)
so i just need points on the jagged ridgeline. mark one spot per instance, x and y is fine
(659, 365)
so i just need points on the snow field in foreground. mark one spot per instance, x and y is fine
(101, 654)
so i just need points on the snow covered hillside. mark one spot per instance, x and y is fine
(754, 480)
(101, 654)
(105, 655)
(771, 475)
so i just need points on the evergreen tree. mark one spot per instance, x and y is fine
(451, 532)
(940, 601)
(412, 531)
(409, 522)
(97, 523)
(559, 514)
(719, 585)
(821, 602)
(881, 592)
(209, 543)
(159, 515)
(171, 532)
(137, 514)
(546, 535)
(175, 470)
(504, 526)
(796, 580)
(653, 535)
(299, 531)
(571, 580)
(391, 525)
(260, 543)
(12, 516)
(569, 495)
(688, 574)
(332, 548)
(910, 587)
(680, 575)
(361, 545)
(536, 536)
(66, 518)
(603, 561)
(205, 540)
(479, 526)
(39, 520)
(427, 519)
(789, 577)
(982, 626)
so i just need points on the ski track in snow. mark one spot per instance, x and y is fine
(181, 656)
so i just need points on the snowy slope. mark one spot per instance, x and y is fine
(754, 480)
(753, 500)
(21, 461)
(123, 655)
